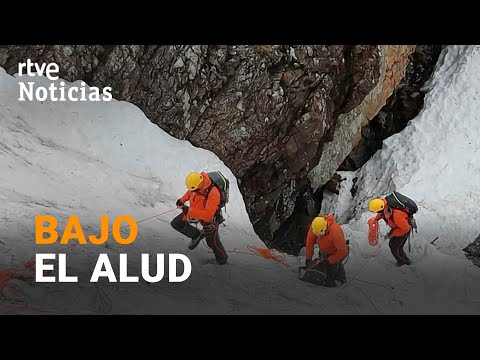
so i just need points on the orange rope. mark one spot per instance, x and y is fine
(256, 251)
(30, 264)
(373, 231)
(11, 273)
(5, 276)
(151, 217)
(267, 254)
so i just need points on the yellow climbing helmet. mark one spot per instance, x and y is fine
(193, 180)
(376, 205)
(319, 225)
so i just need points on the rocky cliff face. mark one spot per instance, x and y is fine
(349, 125)
(404, 104)
(283, 118)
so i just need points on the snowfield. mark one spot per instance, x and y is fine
(93, 159)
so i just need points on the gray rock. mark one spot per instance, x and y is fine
(472, 251)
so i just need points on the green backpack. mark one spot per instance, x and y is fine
(398, 201)
(223, 186)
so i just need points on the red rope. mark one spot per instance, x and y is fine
(268, 254)
(373, 231)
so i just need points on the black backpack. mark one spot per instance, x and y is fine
(398, 201)
(222, 184)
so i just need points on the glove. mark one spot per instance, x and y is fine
(309, 263)
(185, 209)
(322, 257)
(179, 203)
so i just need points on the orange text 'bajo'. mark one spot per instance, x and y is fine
(73, 230)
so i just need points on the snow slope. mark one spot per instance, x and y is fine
(93, 159)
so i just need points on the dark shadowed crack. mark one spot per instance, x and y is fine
(404, 104)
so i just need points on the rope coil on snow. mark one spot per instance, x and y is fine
(268, 254)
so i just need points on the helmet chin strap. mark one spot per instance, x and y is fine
(322, 233)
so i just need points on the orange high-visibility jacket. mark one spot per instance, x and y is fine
(201, 207)
(332, 244)
(397, 220)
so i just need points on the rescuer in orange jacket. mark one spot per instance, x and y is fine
(204, 200)
(328, 234)
(399, 223)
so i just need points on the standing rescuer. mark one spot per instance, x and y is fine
(205, 200)
(333, 249)
(397, 211)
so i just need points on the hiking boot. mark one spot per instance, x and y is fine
(341, 275)
(401, 263)
(195, 241)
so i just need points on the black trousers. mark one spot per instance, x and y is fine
(396, 247)
(211, 235)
